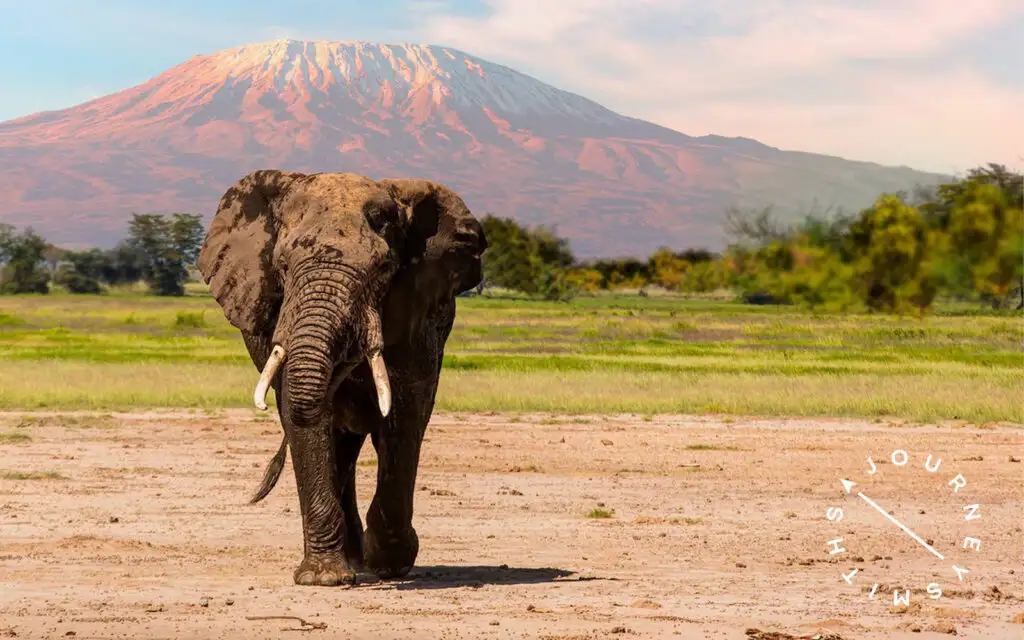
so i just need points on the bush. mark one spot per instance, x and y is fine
(889, 242)
(584, 279)
(24, 262)
(76, 282)
(533, 261)
(190, 320)
(81, 271)
(554, 284)
(799, 273)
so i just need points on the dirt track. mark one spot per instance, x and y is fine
(148, 534)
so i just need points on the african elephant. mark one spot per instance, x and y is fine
(328, 276)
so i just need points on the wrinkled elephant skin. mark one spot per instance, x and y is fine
(344, 291)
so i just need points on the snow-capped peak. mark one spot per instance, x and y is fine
(372, 70)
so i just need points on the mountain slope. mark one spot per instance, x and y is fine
(511, 145)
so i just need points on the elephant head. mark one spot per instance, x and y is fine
(330, 268)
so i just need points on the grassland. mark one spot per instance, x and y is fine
(609, 354)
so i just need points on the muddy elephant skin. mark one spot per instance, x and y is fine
(344, 290)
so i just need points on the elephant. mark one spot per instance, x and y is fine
(328, 276)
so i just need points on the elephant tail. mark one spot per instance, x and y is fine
(273, 472)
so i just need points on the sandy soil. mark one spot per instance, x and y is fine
(718, 527)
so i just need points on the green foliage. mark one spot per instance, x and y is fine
(963, 239)
(511, 258)
(705, 276)
(667, 270)
(550, 249)
(554, 283)
(190, 319)
(624, 273)
(158, 250)
(584, 279)
(691, 271)
(169, 246)
(124, 264)
(987, 235)
(6, 238)
(81, 271)
(534, 261)
(889, 245)
(799, 272)
(23, 259)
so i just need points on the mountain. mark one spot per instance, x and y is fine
(510, 144)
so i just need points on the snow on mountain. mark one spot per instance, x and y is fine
(399, 73)
(512, 145)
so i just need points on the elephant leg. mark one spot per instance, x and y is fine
(346, 452)
(391, 541)
(312, 449)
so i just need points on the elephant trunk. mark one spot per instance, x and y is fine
(325, 323)
(319, 321)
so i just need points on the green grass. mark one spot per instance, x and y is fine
(600, 514)
(602, 354)
(190, 319)
(14, 438)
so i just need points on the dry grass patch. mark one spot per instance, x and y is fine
(32, 475)
(645, 520)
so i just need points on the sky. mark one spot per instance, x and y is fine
(932, 84)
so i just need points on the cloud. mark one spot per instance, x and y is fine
(872, 79)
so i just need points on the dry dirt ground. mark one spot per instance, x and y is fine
(717, 526)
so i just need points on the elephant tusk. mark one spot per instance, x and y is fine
(259, 396)
(380, 380)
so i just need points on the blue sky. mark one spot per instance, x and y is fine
(934, 84)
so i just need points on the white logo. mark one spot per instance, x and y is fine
(863, 505)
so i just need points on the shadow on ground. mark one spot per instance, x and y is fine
(441, 577)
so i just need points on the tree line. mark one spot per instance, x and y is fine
(159, 250)
(963, 239)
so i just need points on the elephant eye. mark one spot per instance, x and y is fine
(380, 217)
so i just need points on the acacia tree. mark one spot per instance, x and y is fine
(890, 245)
(7, 236)
(667, 269)
(168, 246)
(986, 232)
(534, 261)
(800, 271)
(54, 255)
(124, 264)
(23, 259)
(81, 271)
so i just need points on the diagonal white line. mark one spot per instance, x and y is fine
(900, 525)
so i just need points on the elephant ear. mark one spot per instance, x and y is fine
(439, 257)
(236, 259)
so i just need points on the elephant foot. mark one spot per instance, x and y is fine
(324, 570)
(391, 555)
(353, 548)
